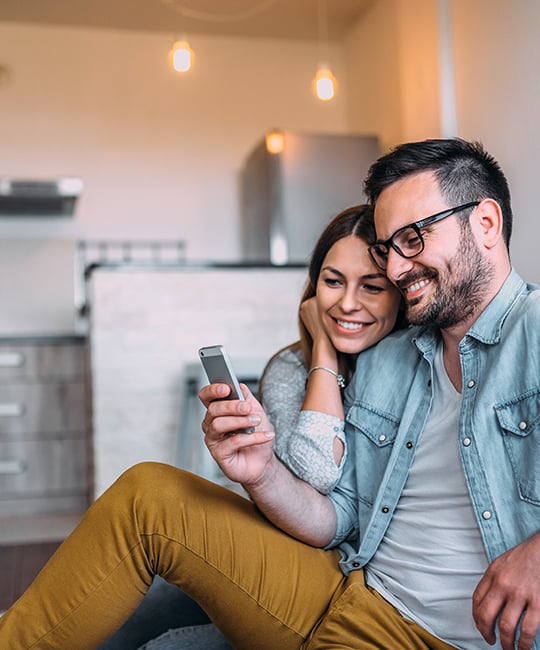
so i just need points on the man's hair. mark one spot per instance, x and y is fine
(464, 170)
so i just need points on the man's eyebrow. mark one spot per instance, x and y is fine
(374, 276)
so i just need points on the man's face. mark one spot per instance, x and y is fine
(445, 284)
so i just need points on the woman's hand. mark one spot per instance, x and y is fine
(323, 352)
(309, 313)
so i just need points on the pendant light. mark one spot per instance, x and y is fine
(181, 56)
(324, 83)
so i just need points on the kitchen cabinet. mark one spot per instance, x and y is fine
(45, 426)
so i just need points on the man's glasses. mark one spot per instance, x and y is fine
(408, 241)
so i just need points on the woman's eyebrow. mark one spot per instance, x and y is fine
(333, 270)
(368, 276)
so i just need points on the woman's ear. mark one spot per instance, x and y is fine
(487, 223)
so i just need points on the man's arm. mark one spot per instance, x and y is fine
(510, 588)
(249, 459)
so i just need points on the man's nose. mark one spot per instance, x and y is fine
(397, 265)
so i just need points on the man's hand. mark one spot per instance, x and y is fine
(243, 457)
(510, 588)
(248, 458)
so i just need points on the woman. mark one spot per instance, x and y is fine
(348, 306)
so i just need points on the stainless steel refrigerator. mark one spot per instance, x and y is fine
(291, 188)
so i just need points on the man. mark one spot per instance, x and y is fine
(442, 483)
(430, 539)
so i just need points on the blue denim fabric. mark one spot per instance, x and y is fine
(196, 637)
(387, 405)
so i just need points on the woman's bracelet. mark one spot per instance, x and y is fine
(339, 378)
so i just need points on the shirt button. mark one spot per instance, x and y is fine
(382, 437)
(466, 442)
(356, 564)
(471, 383)
(409, 445)
(522, 425)
(336, 429)
(385, 509)
(486, 514)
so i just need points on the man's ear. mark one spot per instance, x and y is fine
(487, 222)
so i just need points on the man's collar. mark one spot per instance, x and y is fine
(487, 327)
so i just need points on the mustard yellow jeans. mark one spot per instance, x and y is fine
(262, 588)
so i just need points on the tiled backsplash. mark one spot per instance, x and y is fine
(146, 325)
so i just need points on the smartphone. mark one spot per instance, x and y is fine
(219, 369)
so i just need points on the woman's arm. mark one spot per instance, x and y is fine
(305, 439)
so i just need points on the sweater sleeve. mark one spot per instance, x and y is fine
(304, 439)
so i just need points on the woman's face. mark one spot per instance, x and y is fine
(357, 304)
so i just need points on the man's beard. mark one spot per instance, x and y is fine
(459, 294)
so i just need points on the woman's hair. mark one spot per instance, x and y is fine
(357, 221)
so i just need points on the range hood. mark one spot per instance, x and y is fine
(39, 198)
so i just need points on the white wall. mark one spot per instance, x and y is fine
(392, 63)
(392, 59)
(497, 57)
(159, 154)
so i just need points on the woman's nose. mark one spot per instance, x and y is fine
(350, 301)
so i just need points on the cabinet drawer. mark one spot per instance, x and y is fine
(64, 361)
(38, 410)
(42, 468)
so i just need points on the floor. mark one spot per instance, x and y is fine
(38, 528)
(19, 564)
(26, 543)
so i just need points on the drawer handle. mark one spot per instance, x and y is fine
(11, 359)
(12, 467)
(11, 410)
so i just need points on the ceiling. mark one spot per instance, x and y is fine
(280, 19)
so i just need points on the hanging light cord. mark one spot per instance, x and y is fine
(231, 17)
(323, 30)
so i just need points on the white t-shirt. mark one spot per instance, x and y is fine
(432, 556)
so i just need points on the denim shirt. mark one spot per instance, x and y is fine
(387, 405)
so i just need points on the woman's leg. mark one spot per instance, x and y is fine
(262, 588)
(196, 637)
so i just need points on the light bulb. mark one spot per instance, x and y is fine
(181, 56)
(324, 83)
(275, 142)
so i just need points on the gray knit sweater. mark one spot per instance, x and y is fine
(304, 439)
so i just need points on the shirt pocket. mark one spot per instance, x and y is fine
(375, 433)
(519, 420)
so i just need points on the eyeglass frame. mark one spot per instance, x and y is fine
(416, 226)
